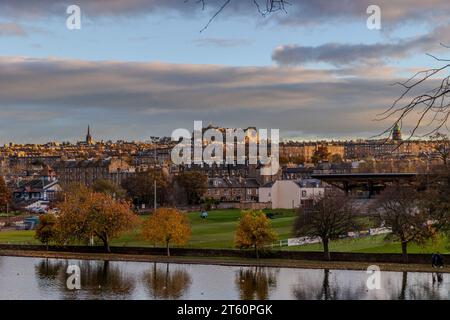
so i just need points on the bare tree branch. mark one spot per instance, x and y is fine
(431, 104)
(263, 7)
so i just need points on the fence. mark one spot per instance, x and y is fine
(291, 242)
(271, 254)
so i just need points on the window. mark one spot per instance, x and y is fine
(304, 193)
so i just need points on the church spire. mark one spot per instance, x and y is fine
(88, 135)
(397, 133)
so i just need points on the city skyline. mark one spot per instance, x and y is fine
(89, 139)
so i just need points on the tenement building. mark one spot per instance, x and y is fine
(88, 171)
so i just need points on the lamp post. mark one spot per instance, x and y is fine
(154, 197)
(7, 213)
(427, 168)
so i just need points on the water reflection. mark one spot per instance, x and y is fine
(333, 286)
(424, 291)
(100, 279)
(351, 285)
(404, 284)
(106, 278)
(312, 290)
(255, 283)
(162, 283)
(48, 269)
(32, 278)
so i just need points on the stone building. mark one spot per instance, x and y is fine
(86, 172)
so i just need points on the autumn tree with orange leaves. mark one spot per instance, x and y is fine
(85, 214)
(5, 195)
(254, 231)
(167, 226)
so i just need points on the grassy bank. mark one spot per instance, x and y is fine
(216, 231)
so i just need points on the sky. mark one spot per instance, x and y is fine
(140, 68)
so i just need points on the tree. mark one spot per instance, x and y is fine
(108, 187)
(441, 146)
(431, 107)
(368, 165)
(85, 214)
(296, 159)
(167, 226)
(5, 195)
(320, 154)
(193, 185)
(254, 231)
(401, 210)
(327, 217)
(336, 158)
(141, 187)
(435, 198)
(46, 229)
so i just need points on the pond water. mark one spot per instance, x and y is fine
(36, 278)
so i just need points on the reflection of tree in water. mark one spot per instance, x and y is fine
(48, 269)
(327, 291)
(402, 294)
(49, 273)
(98, 278)
(255, 283)
(423, 290)
(426, 290)
(317, 292)
(162, 283)
(104, 278)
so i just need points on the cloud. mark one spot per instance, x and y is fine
(125, 100)
(12, 30)
(223, 43)
(299, 12)
(393, 12)
(343, 54)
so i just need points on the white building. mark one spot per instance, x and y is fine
(290, 194)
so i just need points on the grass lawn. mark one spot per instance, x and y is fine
(18, 237)
(376, 244)
(217, 231)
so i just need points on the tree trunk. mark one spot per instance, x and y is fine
(326, 251)
(168, 249)
(106, 244)
(256, 252)
(405, 252)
